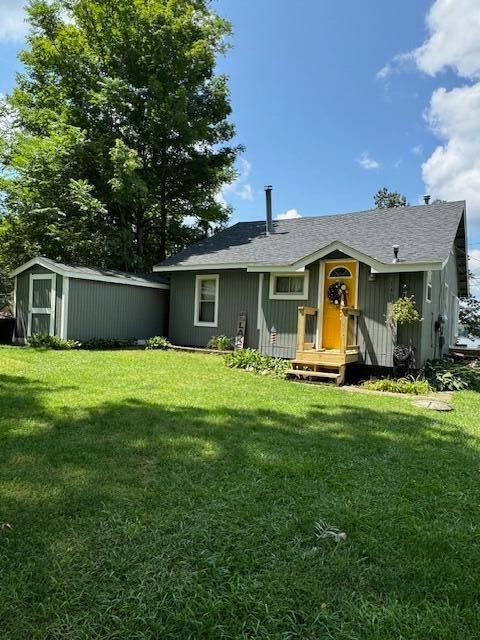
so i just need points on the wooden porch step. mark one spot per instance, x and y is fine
(303, 373)
(315, 363)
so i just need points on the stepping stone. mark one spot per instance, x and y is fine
(434, 405)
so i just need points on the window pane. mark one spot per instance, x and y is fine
(296, 284)
(207, 290)
(283, 285)
(207, 312)
(289, 284)
(40, 323)
(340, 272)
(41, 294)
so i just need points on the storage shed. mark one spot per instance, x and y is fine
(75, 302)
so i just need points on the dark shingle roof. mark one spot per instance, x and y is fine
(88, 273)
(74, 268)
(424, 234)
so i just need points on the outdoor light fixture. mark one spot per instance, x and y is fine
(395, 252)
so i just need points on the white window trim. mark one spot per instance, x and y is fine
(196, 318)
(64, 312)
(289, 296)
(42, 310)
(427, 285)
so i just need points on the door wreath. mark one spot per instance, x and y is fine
(337, 293)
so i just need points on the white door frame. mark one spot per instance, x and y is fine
(52, 277)
(321, 286)
(320, 298)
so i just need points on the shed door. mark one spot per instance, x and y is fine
(41, 308)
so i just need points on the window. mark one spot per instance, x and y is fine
(206, 301)
(428, 294)
(289, 286)
(340, 272)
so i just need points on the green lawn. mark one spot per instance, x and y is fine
(161, 495)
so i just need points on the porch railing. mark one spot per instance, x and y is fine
(348, 325)
(303, 313)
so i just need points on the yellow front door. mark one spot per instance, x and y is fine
(345, 273)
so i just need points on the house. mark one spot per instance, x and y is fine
(316, 290)
(75, 302)
(286, 277)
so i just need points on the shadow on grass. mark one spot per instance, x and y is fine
(139, 518)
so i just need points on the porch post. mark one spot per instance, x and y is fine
(301, 329)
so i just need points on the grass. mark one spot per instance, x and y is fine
(162, 495)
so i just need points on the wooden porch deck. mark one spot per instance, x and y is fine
(326, 364)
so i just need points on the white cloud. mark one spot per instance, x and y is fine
(453, 170)
(12, 20)
(291, 214)
(368, 163)
(240, 187)
(453, 42)
(245, 192)
(398, 63)
(190, 221)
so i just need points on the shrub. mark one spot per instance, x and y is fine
(45, 341)
(221, 343)
(157, 342)
(399, 385)
(107, 343)
(403, 311)
(252, 360)
(444, 375)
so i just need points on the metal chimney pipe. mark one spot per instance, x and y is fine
(427, 199)
(268, 210)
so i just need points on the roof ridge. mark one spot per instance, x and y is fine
(355, 213)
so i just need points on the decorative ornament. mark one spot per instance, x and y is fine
(336, 292)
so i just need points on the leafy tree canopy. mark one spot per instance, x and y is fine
(117, 130)
(384, 199)
(469, 316)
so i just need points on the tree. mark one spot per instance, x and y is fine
(385, 199)
(118, 130)
(469, 316)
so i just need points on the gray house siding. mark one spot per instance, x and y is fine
(283, 315)
(375, 336)
(118, 311)
(22, 300)
(412, 284)
(442, 304)
(238, 293)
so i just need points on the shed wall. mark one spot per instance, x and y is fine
(117, 311)
(238, 293)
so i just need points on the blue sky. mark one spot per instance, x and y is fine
(334, 100)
